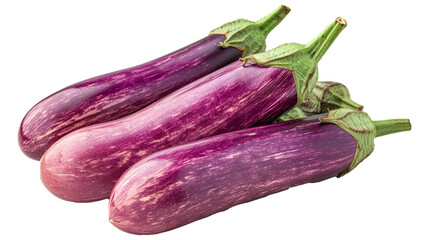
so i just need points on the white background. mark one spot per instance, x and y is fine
(382, 56)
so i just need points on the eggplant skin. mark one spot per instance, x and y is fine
(115, 95)
(84, 165)
(185, 183)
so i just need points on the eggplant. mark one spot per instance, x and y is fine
(118, 94)
(182, 184)
(84, 165)
(325, 96)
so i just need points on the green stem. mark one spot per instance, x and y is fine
(295, 113)
(318, 47)
(348, 103)
(269, 22)
(386, 127)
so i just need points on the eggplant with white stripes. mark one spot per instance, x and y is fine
(118, 94)
(84, 165)
(185, 183)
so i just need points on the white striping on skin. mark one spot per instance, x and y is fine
(156, 127)
(144, 199)
(93, 161)
(141, 153)
(66, 175)
(230, 109)
(126, 158)
(233, 155)
(119, 76)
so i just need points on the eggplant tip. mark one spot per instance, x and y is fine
(341, 21)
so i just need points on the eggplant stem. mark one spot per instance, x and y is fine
(270, 21)
(346, 102)
(318, 47)
(390, 126)
(351, 104)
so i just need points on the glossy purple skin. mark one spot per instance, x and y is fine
(185, 183)
(84, 165)
(114, 95)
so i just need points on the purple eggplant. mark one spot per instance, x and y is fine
(185, 183)
(115, 95)
(84, 165)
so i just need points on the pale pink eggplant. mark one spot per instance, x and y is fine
(85, 164)
(182, 184)
(117, 94)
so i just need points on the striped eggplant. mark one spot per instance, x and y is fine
(185, 183)
(84, 165)
(115, 95)
(325, 96)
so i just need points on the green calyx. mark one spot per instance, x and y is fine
(250, 36)
(294, 113)
(364, 130)
(300, 59)
(360, 126)
(328, 96)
